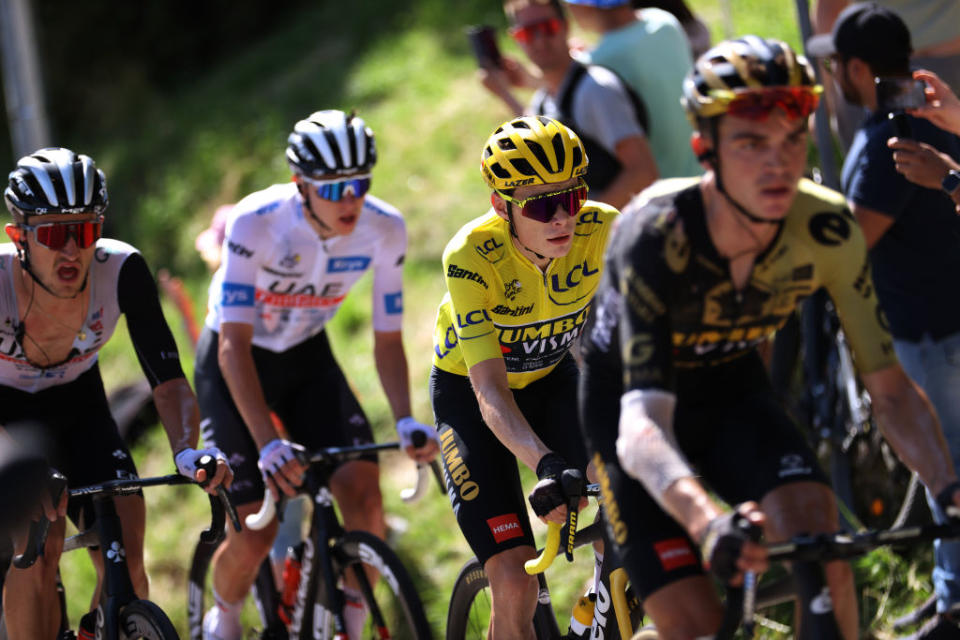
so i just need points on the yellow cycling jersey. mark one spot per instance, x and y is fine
(500, 305)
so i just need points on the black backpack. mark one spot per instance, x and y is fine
(604, 166)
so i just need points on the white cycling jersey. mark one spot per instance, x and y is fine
(279, 276)
(102, 316)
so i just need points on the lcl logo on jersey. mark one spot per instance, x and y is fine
(578, 283)
(490, 249)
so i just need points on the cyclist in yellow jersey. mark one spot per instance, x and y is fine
(520, 280)
(674, 394)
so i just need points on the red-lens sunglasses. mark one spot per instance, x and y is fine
(55, 235)
(544, 206)
(544, 28)
(757, 104)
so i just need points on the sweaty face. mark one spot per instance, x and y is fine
(546, 50)
(551, 239)
(63, 270)
(335, 218)
(761, 162)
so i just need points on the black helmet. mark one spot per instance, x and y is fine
(55, 180)
(331, 143)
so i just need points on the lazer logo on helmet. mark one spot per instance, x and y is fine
(518, 183)
(539, 345)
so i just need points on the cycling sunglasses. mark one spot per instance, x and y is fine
(544, 28)
(544, 206)
(334, 191)
(757, 104)
(55, 235)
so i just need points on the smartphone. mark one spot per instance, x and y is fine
(898, 94)
(483, 40)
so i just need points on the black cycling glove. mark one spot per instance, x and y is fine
(723, 542)
(558, 482)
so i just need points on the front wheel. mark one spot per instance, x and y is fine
(395, 610)
(469, 615)
(143, 620)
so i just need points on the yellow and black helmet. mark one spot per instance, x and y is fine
(747, 63)
(531, 150)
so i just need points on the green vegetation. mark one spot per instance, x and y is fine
(173, 156)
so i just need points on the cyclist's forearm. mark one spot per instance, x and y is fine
(240, 374)
(179, 414)
(502, 415)
(391, 361)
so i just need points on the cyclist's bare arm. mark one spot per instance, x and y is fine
(391, 361)
(910, 425)
(235, 355)
(180, 416)
(501, 413)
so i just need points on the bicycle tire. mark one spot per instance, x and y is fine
(196, 589)
(394, 593)
(144, 620)
(468, 616)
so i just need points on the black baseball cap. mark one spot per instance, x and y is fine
(867, 31)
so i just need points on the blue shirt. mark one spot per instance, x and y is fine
(916, 262)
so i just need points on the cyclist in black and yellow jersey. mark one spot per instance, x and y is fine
(673, 390)
(520, 279)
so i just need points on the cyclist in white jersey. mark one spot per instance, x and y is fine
(62, 290)
(291, 254)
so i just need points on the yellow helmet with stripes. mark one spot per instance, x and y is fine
(529, 151)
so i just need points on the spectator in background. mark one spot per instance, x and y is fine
(935, 29)
(913, 234)
(698, 35)
(589, 99)
(649, 51)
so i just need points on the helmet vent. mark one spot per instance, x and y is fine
(540, 154)
(506, 144)
(558, 151)
(499, 171)
(523, 167)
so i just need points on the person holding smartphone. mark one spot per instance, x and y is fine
(590, 99)
(912, 232)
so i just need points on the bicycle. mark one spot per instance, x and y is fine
(309, 605)
(469, 613)
(121, 615)
(819, 622)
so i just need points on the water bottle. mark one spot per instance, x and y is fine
(291, 582)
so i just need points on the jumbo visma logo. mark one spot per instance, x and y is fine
(542, 344)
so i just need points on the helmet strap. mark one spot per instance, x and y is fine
(513, 232)
(306, 205)
(23, 256)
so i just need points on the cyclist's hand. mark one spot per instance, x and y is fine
(548, 498)
(282, 471)
(730, 544)
(188, 460)
(407, 428)
(949, 500)
(53, 503)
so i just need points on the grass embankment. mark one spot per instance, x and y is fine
(407, 69)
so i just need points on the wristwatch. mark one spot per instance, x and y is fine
(951, 182)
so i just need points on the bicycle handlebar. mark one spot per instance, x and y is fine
(268, 509)
(220, 506)
(838, 546)
(554, 530)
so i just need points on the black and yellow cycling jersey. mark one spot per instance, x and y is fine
(671, 294)
(500, 305)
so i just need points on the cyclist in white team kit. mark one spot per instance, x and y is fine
(291, 253)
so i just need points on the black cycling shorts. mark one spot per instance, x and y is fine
(483, 480)
(733, 431)
(303, 386)
(72, 426)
